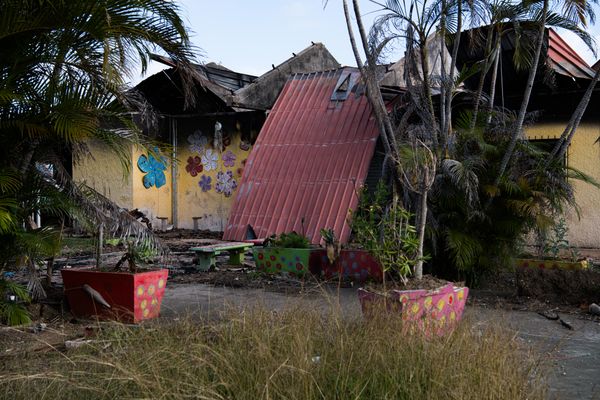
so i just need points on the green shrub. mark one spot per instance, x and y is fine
(12, 299)
(385, 231)
(290, 240)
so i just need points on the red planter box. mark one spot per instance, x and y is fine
(132, 297)
(356, 265)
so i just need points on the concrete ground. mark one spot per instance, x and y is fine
(574, 355)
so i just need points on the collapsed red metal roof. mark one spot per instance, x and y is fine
(565, 60)
(309, 161)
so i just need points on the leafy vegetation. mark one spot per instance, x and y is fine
(290, 354)
(332, 245)
(12, 303)
(63, 68)
(291, 240)
(384, 229)
(478, 225)
(137, 253)
(483, 185)
(554, 243)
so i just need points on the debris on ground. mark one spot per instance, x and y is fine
(594, 309)
(549, 315)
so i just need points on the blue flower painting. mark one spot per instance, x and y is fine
(154, 169)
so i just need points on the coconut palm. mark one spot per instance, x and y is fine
(64, 65)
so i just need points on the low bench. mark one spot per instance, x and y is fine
(207, 254)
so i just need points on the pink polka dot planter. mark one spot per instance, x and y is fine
(356, 265)
(429, 311)
(282, 260)
(132, 297)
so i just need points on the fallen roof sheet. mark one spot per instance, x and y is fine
(311, 157)
(565, 60)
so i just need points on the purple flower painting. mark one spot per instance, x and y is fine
(205, 183)
(229, 158)
(225, 183)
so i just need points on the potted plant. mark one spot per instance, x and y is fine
(128, 296)
(335, 262)
(551, 247)
(288, 253)
(384, 230)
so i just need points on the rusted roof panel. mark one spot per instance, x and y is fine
(565, 60)
(310, 159)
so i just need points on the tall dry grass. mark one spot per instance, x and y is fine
(297, 354)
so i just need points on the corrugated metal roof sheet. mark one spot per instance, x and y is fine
(596, 66)
(310, 159)
(565, 60)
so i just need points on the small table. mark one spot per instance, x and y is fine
(207, 254)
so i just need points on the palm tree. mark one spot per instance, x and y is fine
(577, 11)
(63, 69)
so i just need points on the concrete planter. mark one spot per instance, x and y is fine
(356, 265)
(550, 264)
(429, 311)
(280, 260)
(131, 297)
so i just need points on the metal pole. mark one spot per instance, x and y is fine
(99, 246)
(174, 207)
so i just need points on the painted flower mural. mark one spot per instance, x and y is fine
(154, 169)
(210, 159)
(229, 159)
(194, 166)
(244, 145)
(225, 183)
(205, 183)
(197, 142)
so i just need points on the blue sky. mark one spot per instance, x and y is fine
(250, 35)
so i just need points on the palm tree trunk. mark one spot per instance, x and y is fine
(497, 55)
(373, 87)
(518, 130)
(444, 86)
(427, 90)
(448, 103)
(421, 226)
(566, 137)
(482, 75)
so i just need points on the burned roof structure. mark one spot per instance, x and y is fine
(262, 93)
(220, 89)
(310, 159)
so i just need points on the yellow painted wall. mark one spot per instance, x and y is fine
(212, 206)
(154, 202)
(103, 172)
(584, 155)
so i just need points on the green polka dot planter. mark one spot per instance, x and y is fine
(279, 260)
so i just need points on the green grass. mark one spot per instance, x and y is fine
(289, 355)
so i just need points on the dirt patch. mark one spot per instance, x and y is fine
(248, 277)
(577, 288)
